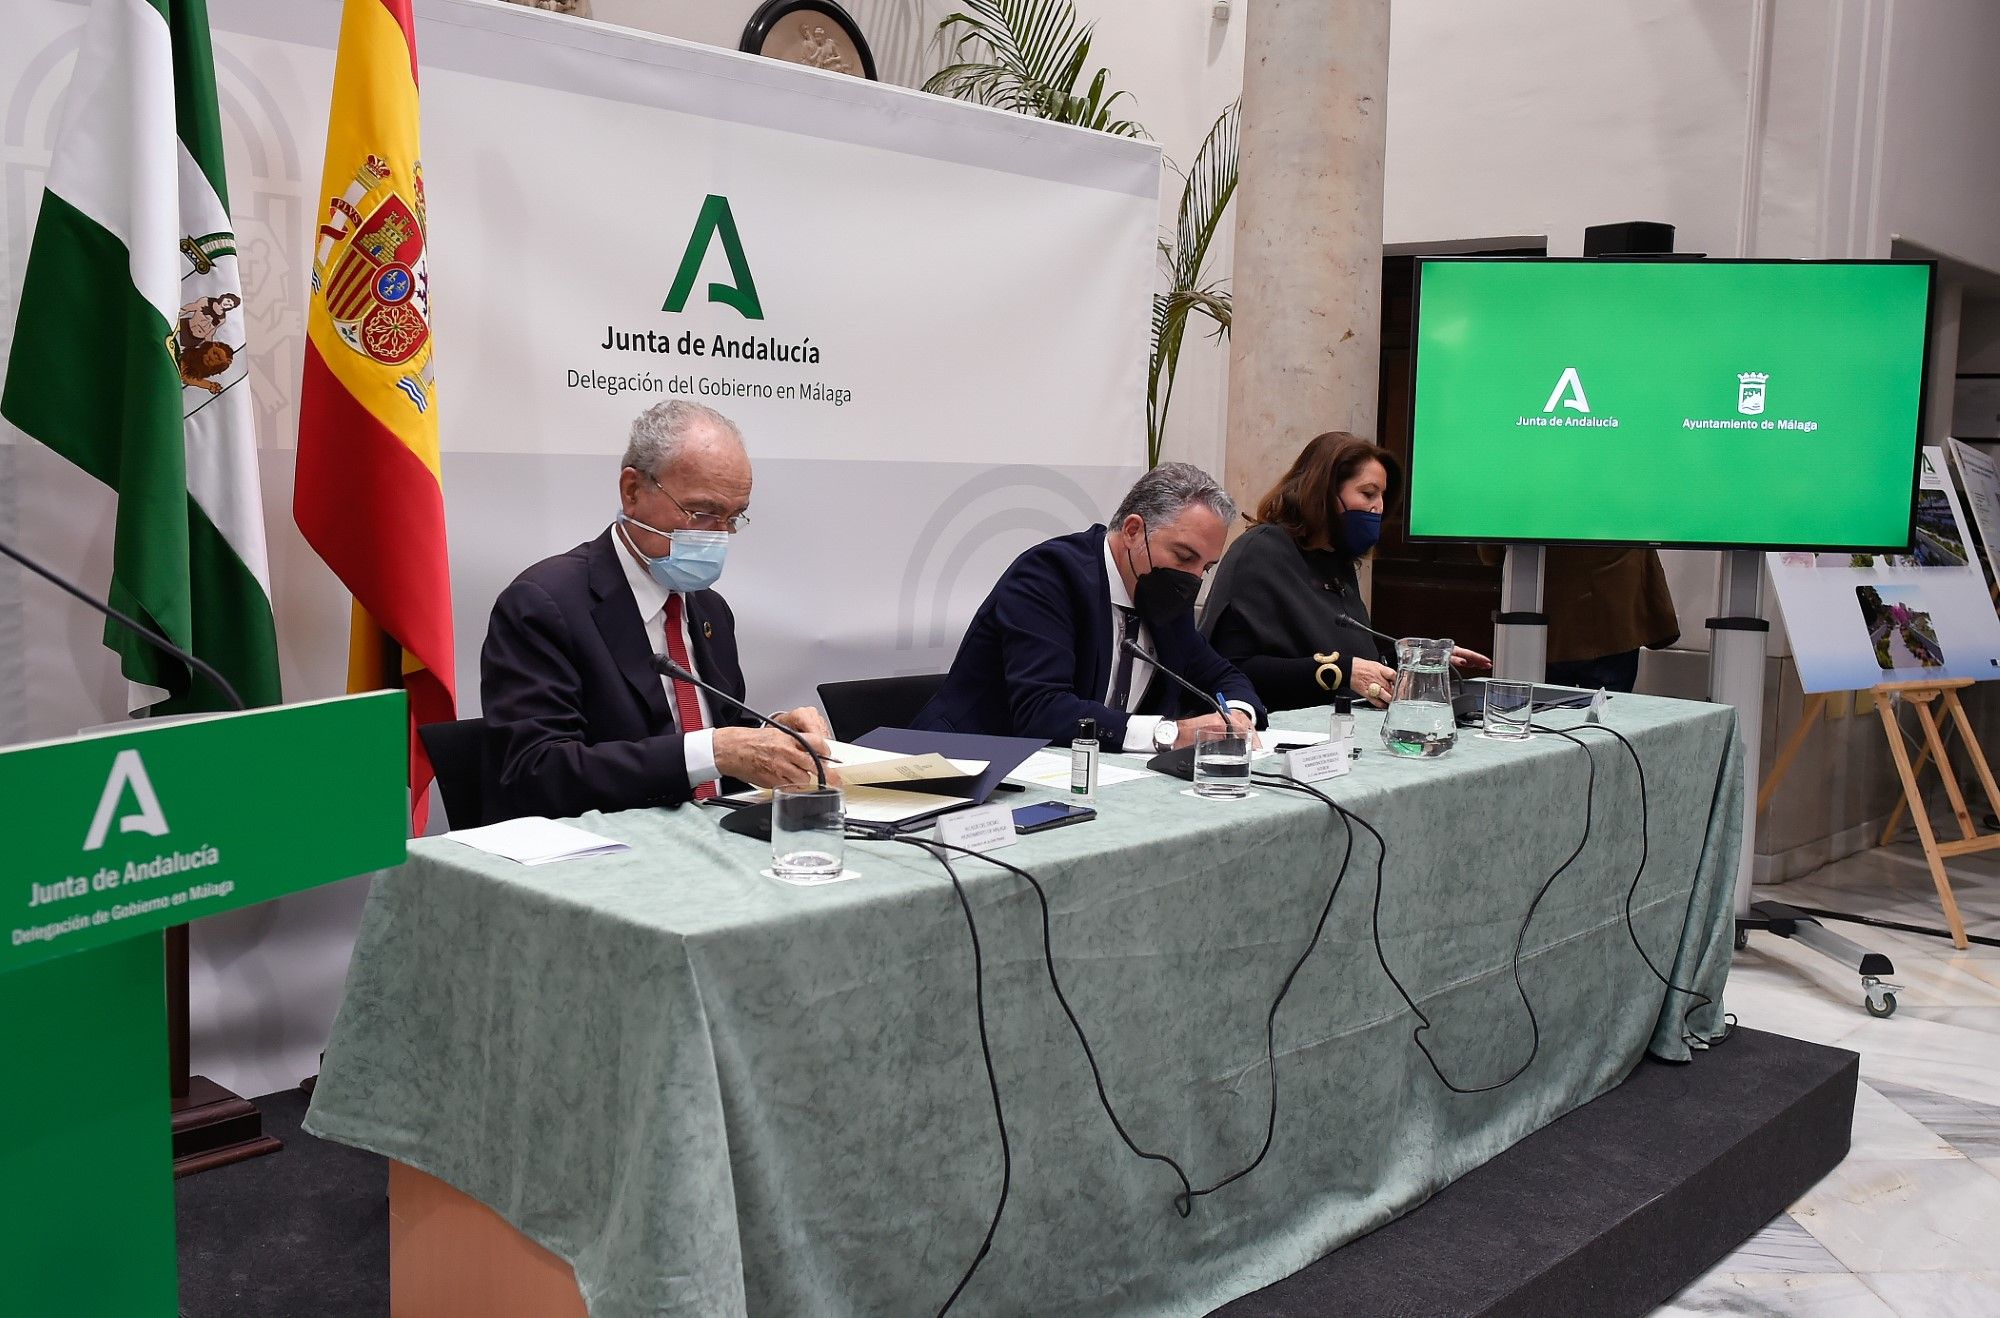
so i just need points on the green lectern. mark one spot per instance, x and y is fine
(114, 837)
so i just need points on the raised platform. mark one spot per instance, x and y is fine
(1609, 1211)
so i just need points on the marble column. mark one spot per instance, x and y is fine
(1305, 349)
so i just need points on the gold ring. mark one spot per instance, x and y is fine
(1375, 689)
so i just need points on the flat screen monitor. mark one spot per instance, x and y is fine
(1690, 403)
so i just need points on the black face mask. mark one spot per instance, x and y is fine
(1163, 596)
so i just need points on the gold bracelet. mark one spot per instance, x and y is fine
(1328, 663)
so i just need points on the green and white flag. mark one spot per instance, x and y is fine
(130, 356)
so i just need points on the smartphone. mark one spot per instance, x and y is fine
(1049, 814)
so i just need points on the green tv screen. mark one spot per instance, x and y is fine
(1739, 404)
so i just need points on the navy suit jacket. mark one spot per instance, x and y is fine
(1038, 654)
(577, 717)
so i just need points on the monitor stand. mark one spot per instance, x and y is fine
(1736, 677)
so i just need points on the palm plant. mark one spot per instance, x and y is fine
(1209, 184)
(1026, 56)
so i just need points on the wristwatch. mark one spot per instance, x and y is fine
(1165, 733)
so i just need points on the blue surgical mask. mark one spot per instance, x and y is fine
(1359, 530)
(694, 561)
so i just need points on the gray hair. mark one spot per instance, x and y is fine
(1160, 495)
(660, 432)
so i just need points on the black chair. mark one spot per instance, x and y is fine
(458, 754)
(857, 708)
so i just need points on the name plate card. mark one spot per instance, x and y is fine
(1320, 761)
(979, 829)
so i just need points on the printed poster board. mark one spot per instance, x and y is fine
(1979, 479)
(1856, 620)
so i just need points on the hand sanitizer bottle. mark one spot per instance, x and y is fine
(1083, 753)
(1341, 726)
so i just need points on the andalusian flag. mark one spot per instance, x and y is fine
(367, 495)
(130, 356)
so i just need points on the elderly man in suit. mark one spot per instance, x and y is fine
(579, 716)
(1047, 647)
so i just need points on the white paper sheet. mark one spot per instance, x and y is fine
(1051, 769)
(872, 805)
(861, 766)
(536, 841)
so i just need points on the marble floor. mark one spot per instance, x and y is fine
(1909, 1225)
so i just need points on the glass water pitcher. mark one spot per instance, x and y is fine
(1419, 721)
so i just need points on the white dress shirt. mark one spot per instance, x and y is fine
(698, 748)
(1139, 727)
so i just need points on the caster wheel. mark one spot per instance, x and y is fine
(1888, 1007)
(1742, 939)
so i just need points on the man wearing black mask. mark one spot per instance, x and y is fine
(1046, 647)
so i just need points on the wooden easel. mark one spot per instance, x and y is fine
(1942, 692)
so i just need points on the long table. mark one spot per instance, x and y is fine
(712, 1093)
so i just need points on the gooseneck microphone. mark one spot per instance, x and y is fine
(1178, 763)
(133, 625)
(1209, 696)
(1378, 635)
(664, 665)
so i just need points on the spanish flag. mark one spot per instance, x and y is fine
(368, 495)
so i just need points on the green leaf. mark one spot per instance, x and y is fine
(1210, 185)
(1029, 56)
(1026, 56)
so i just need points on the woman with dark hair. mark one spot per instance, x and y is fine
(1286, 605)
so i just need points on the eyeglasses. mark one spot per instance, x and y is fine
(704, 521)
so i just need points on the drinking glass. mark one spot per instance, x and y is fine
(1510, 708)
(1221, 763)
(808, 832)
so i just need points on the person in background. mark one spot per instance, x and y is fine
(1286, 606)
(1604, 605)
(1046, 647)
(578, 717)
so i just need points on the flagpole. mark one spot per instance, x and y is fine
(136, 187)
(179, 1063)
(212, 1126)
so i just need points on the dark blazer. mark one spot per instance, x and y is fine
(1038, 654)
(1274, 606)
(577, 717)
(1605, 601)
(1602, 601)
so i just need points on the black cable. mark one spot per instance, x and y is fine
(1698, 999)
(1283, 782)
(985, 1051)
(1185, 1197)
(140, 629)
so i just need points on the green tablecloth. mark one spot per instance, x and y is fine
(713, 1093)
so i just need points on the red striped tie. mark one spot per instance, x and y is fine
(687, 705)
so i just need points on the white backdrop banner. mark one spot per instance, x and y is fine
(1859, 619)
(929, 319)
